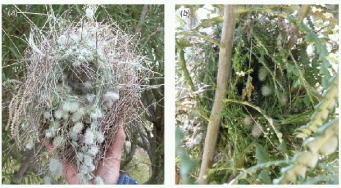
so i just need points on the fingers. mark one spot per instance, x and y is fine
(70, 173)
(109, 168)
(117, 146)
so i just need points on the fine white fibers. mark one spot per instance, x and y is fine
(93, 150)
(51, 132)
(266, 90)
(58, 141)
(78, 127)
(30, 144)
(283, 99)
(89, 12)
(77, 63)
(198, 138)
(87, 85)
(77, 115)
(83, 169)
(256, 130)
(24, 125)
(111, 96)
(98, 180)
(73, 136)
(56, 167)
(47, 180)
(55, 125)
(248, 121)
(90, 97)
(70, 106)
(65, 115)
(88, 137)
(88, 160)
(80, 156)
(48, 134)
(47, 115)
(91, 167)
(96, 114)
(100, 137)
(62, 40)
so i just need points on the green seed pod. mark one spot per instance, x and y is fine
(330, 145)
(262, 73)
(306, 158)
(266, 90)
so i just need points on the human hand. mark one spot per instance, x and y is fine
(108, 169)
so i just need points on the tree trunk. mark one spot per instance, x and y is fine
(224, 70)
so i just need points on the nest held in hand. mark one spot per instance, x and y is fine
(82, 80)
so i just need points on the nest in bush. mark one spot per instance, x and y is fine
(83, 78)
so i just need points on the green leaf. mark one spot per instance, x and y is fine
(283, 147)
(322, 50)
(293, 70)
(297, 83)
(179, 135)
(261, 154)
(306, 100)
(291, 19)
(324, 67)
(264, 176)
(325, 82)
(311, 37)
(304, 27)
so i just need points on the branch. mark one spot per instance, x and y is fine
(224, 71)
(25, 166)
(142, 17)
(198, 112)
(208, 39)
(301, 16)
(257, 167)
(183, 67)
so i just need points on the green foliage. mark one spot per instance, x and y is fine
(324, 143)
(298, 79)
(186, 164)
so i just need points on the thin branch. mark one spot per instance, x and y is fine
(257, 167)
(142, 17)
(206, 38)
(183, 67)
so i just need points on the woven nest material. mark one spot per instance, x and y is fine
(82, 80)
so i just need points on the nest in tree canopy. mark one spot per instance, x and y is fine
(83, 79)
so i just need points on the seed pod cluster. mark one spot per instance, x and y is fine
(324, 143)
(322, 110)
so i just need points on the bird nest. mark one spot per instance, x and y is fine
(83, 79)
